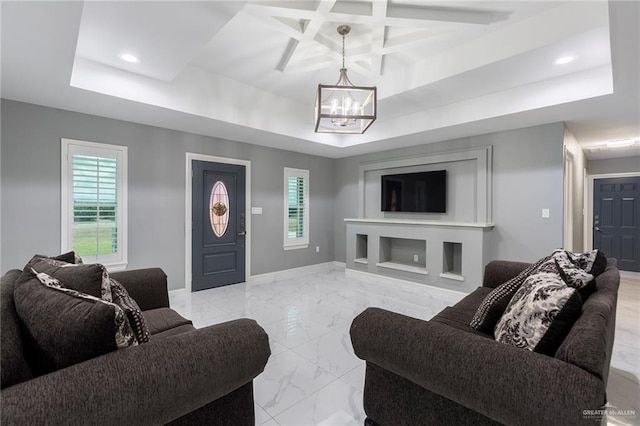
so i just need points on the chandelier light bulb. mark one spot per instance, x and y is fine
(334, 106)
(347, 105)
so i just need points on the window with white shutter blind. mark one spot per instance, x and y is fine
(94, 197)
(296, 209)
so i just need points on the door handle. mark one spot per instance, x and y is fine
(242, 234)
(599, 230)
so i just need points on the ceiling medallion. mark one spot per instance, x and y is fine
(343, 107)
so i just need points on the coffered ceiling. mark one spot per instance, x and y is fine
(249, 70)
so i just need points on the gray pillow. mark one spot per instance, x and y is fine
(62, 327)
(91, 279)
(69, 257)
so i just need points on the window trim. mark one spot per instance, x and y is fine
(115, 262)
(299, 242)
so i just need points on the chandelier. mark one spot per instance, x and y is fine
(343, 107)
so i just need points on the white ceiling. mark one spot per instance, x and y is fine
(249, 70)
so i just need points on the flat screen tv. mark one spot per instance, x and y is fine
(423, 192)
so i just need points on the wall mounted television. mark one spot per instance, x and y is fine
(422, 192)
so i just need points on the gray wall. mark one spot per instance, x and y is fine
(527, 177)
(30, 190)
(614, 165)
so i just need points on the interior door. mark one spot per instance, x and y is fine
(616, 213)
(218, 218)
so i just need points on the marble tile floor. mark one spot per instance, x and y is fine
(313, 376)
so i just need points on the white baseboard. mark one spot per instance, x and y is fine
(400, 283)
(177, 291)
(295, 272)
(283, 274)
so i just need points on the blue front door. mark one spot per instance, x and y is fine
(218, 218)
(616, 220)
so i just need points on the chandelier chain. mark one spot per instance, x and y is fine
(342, 50)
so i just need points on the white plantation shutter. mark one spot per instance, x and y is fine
(95, 205)
(296, 206)
(93, 208)
(296, 209)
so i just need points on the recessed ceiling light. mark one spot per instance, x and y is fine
(564, 60)
(128, 57)
(620, 143)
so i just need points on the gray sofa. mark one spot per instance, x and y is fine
(182, 375)
(440, 372)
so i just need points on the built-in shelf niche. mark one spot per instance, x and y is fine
(452, 261)
(403, 254)
(362, 249)
(451, 255)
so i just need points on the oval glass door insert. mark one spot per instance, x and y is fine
(219, 209)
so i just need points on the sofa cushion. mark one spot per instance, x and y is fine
(495, 303)
(457, 319)
(459, 315)
(131, 309)
(14, 366)
(540, 314)
(91, 279)
(162, 319)
(62, 326)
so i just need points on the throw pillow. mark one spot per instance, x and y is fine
(571, 273)
(494, 303)
(69, 257)
(63, 327)
(540, 315)
(131, 309)
(593, 262)
(92, 279)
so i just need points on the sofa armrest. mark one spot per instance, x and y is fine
(152, 383)
(499, 271)
(148, 287)
(505, 383)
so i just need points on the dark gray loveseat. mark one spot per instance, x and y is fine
(182, 375)
(440, 372)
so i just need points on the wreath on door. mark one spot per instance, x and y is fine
(219, 209)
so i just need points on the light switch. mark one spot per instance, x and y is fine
(545, 213)
(256, 210)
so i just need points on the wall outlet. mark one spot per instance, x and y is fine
(317, 249)
(545, 213)
(415, 258)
